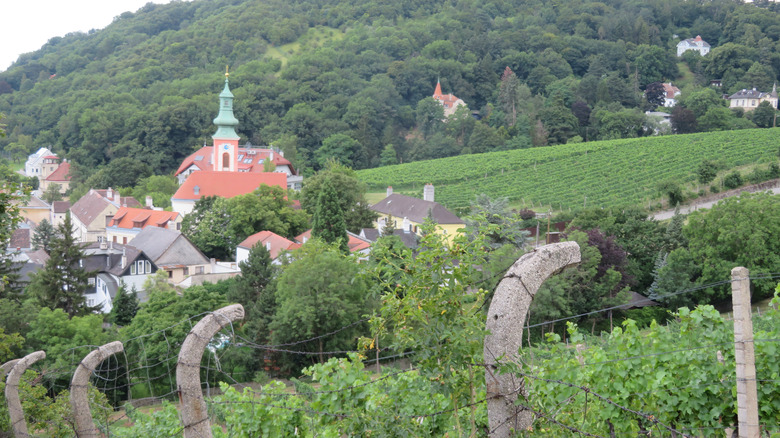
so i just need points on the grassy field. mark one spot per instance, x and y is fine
(315, 37)
(593, 174)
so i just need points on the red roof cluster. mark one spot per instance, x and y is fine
(249, 160)
(61, 174)
(273, 242)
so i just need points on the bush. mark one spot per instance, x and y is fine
(702, 192)
(733, 180)
(774, 170)
(714, 189)
(758, 175)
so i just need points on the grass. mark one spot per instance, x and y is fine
(313, 38)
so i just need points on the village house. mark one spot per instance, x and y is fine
(58, 211)
(448, 101)
(34, 164)
(272, 242)
(60, 176)
(128, 222)
(94, 211)
(697, 44)
(412, 212)
(172, 252)
(749, 100)
(222, 184)
(35, 209)
(670, 94)
(114, 265)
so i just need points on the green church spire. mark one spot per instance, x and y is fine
(226, 122)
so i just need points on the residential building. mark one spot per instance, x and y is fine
(355, 243)
(60, 176)
(35, 209)
(128, 222)
(58, 211)
(412, 212)
(448, 101)
(34, 163)
(670, 94)
(408, 238)
(172, 252)
(748, 100)
(697, 44)
(274, 243)
(94, 211)
(115, 265)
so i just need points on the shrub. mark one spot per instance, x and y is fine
(733, 180)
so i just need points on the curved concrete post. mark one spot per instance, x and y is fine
(505, 320)
(192, 406)
(79, 399)
(7, 367)
(15, 411)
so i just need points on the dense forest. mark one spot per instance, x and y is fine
(353, 80)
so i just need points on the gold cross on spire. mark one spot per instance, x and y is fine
(226, 71)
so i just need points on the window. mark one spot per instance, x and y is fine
(148, 267)
(91, 281)
(199, 269)
(101, 239)
(90, 302)
(225, 161)
(140, 265)
(124, 240)
(114, 239)
(170, 274)
(132, 269)
(186, 271)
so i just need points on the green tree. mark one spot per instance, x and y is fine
(764, 115)
(125, 306)
(701, 100)
(389, 156)
(254, 291)
(62, 282)
(707, 171)
(339, 147)
(206, 227)
(430, 116)
(311, 306)
(56, 332)
(350, 193)
(509, 96)
(328, 219)
(672, 191)
(559, 122)
(43, 235)
(52, 193)
(492, 220)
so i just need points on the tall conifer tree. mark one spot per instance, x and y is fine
(328, 221)
(62, 282)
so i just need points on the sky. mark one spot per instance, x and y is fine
(26, 25)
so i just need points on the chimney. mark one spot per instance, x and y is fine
(124, 257)
(196, 190)
(389, 190)
(271, 156)
(110, 194)
(428, 192)
(149, 202)
(103, 245)
(268, 246)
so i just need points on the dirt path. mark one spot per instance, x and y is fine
(709, 201)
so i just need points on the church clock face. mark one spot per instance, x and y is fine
(225, 147)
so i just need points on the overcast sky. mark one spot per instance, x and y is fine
(26, 25)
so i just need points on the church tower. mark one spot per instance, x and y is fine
(225, 139)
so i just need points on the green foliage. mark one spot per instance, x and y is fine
(563, 175)
(159, 187)
(309, 306)
(350, 193)
(43, 236)
(707, 171)
(673, 192)
(52, 193)
(125, 306)
(732, 180)
(62, 281)
(328, 219)
(492, 220)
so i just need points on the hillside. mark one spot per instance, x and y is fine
(601, 174)
(356, 73)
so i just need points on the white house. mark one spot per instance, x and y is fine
(696, 44)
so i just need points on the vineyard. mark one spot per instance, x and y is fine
(598, 174)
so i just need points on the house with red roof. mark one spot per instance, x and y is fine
(93, 212)
(222, 184)
(274, 243)
(449, 101)
(128, 222)
(60, 176)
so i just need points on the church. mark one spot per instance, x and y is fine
(226, 169)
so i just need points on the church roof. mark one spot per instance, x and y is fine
(249, 159)
(226, 184)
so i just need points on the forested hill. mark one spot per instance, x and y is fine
(347, 78)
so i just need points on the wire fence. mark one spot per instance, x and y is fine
(144, 375)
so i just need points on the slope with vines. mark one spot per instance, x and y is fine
(602, 174)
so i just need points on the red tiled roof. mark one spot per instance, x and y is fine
(127, 201)
(248, 158)
(227, 184)
(61, 174)
(125, 218)
(355, 243)
(277, 242)
(21, 238)
(670, 90)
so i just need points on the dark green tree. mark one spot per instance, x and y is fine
(62, 281)
(764, 115)
(125, 306)
(52, 193)
(327, 223)
(253, 290)
(350, 195)
(43, 236)
(707, 171)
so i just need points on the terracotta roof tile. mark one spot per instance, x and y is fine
(276, 242)
(250, 159)
(227, 184)
(61, 174)
(126, 218)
